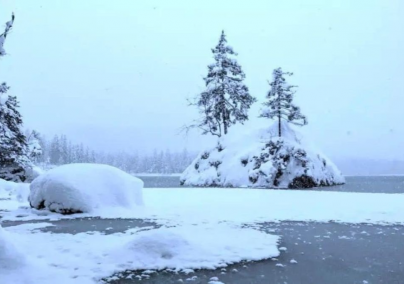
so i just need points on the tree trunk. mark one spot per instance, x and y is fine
(279, 126)
(224, 122)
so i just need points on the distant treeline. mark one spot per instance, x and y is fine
(60, 150)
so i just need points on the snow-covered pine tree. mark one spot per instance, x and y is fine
(280, 102)
(226, 100)
(34, 150)
(13, 145)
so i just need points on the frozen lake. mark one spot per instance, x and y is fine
(373, 184)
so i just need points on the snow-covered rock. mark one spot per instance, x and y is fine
(78, 188)
(260, 158)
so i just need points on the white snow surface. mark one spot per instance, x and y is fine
(85, 188)
(198, 225)
(174, 206)
(232, 164)
(14, 191)
(88, 257)
(10, 257)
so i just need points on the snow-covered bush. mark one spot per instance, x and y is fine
(78, 188)
(262, 159)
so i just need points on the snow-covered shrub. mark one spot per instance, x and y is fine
(261, 159)
(78, 188)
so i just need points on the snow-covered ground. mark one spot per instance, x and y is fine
(198, 225)
(88, 257)
(237, 205)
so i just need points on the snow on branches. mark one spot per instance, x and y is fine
(3, 36)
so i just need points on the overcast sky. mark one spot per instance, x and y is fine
(115, 75)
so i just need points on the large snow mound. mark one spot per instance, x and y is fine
(78, 188)
(260, 158)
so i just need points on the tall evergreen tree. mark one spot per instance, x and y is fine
(226, 100)
(13, 145)
(280, 102)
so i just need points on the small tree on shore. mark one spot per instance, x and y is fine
(226, 100)
(280, 102)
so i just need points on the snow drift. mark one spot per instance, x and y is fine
(261, 159)
(13, 190)
(10, 257)
(78, 188)
(196, 247)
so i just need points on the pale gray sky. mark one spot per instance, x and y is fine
(115, 75)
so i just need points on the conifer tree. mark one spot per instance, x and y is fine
(35, 150)
(226, 100)
(280, 102)
(13, 145)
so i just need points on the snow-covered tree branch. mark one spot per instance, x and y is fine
(3, 36)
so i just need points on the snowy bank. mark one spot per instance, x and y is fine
(259, 158)
(79, 188)
(88, 257)
(10, 257)
(196, 247)
(14, 191)
(241, 206)
(178, 206)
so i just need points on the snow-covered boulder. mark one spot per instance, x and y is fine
(260, 158)
(79, 188)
